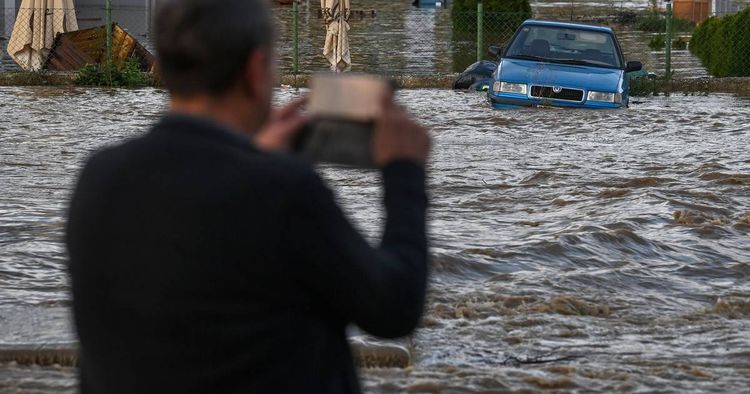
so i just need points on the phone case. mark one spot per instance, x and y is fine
(337, 141)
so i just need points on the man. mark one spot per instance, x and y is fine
(203, 262)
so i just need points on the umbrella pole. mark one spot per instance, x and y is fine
(336, 54)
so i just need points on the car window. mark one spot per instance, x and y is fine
(566, 45)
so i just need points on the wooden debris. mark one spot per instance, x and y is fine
(75, 49)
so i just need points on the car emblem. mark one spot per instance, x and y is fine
(556, 89)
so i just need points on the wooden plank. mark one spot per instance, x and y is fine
(148, 61)
(73, 50)
(66, 56)
(74, 58)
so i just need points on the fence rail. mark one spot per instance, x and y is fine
(417, 41)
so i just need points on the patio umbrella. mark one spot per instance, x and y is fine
(336, 14)
(37, 24)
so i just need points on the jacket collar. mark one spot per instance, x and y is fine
(204, 127)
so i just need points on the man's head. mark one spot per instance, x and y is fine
(217, 50)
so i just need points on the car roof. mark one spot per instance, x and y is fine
(583, 26)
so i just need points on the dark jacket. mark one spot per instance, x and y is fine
(202, 264)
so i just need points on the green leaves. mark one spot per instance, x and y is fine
(723, 45)
(510, 6)
(127, 75)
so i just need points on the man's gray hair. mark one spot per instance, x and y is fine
(203, 45)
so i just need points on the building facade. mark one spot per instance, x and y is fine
(724, 7)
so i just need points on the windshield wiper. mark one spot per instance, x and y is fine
(580, 62)
(529, 57)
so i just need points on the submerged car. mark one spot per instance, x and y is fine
(561, 64)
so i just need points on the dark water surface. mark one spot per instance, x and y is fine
(572, 249)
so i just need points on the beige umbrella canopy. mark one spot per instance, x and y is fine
(37, 24)
(336, 50)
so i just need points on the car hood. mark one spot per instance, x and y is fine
(564, 75)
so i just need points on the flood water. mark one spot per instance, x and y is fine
(571, 249)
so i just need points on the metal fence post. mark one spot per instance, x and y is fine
(295, 33)
(108, 33)
(480, 31)
(149, 18)
(668, 55)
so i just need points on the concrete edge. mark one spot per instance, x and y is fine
(365, 354)
(41, 355)
(739, 86)
(733, 85)
(37, 79)
(437, 81)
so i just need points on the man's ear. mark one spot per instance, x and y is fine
(257, 73)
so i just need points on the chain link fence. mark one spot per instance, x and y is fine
(723, 45)
(30, 38)
(412, 41)
(24, 50)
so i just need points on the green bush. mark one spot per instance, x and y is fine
(742, 44)
(698, 43)
(643, 86)
(509, 6)
(499, 15)
(657, 42)
(501, 19)
(723, 45)
(679, 44)
(128, 75)
(657, 23)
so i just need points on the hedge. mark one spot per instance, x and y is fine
(501, 17)
(509, 6)
(723, 45)
(657, 24)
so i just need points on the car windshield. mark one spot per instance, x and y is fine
(565, 45)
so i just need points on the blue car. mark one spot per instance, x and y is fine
(561, 64)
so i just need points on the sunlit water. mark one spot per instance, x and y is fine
(571, 249)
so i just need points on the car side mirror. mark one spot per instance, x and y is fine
(633, 66)
(495, 50)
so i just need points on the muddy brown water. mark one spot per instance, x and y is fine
(572, 250)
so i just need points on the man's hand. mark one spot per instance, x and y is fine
(282, 126)
(398, 137)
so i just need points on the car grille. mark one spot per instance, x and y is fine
(565, 94)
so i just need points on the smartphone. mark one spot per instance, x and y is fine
(343, 109)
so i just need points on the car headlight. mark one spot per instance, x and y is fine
(605, 97)
(507, 87)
